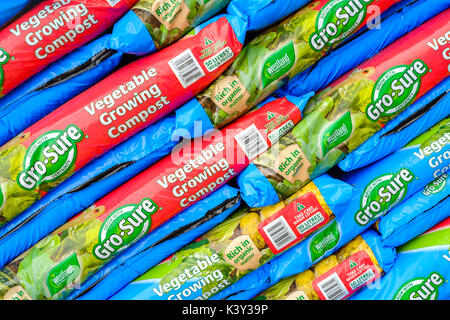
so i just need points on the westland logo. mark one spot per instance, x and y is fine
(382, 194)
(337, 20)
(124, 226)
(63, 274)
(4, 58)
(396, 89)
(337, 133)
(278, 64)
(324, 241)
(421, 288)
(50, 157)
(2, 197)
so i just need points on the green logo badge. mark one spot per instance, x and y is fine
(337, 133)
(434, 187)
(124, 226)
(324, 241)
(50, 157)
(278, 64)
(396, 89)
(63, 274)
(337, 20)
(4, 58)
(421, 288)
(382, 194)
(2, 197)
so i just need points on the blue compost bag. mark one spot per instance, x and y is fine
(159, 244)
(210, 250)
(421, 271)
(419, 117)
(417, 214)
(359, 263)
(377, 189)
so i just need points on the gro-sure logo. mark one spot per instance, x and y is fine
(382, 194)
(396, 89)
(337, 133)
(421, 288)
(63, 274)
(278, 64)
(434, 187)
(337, 20)
(49, 157)
(124, 226)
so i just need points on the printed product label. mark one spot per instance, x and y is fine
(337, 20)
(346, 278)
(434, 187)
(298, 295)
(396, 89)
(293, 164)
(124, 226)
(4, 58)
(16, 293)
(337, 133)
(50, 157)
(294, 222)
(242, 254)
(421, 288)
(324, 241)
(230, 95)
(63, 274)
(382, 194)
(219, 59)
(171, 13)
(278, 64)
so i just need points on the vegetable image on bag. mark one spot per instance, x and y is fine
(111, 111)
(49, 31)
(60, 261)
(334, 278)
(167, 21)
(278, 54)
(354, 107)
(239, 245)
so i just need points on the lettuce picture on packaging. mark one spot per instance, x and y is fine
(281, 52)
(167, 21)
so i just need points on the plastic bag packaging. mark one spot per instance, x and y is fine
(421, 116)
(91, 183)
(111, 111)
(419, 213)
(243, 242)
(376, 190)
(421, 271)
(10, 9)
(156, 195)
(268, 61)
(338, 276)
(50, 30)
(158, 245)
(345, 114)
(58, 83)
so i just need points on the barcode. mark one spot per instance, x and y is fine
(186, 68)
(333, 288)
(279, 233)
(252, 142)
(112, 3)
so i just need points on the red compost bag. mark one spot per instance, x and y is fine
(50, 30)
